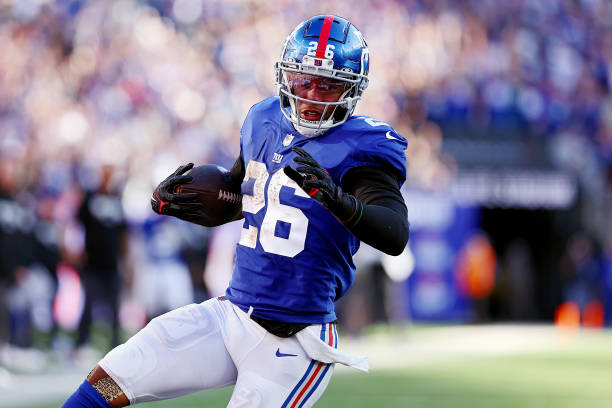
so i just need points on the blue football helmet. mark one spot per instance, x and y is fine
(332, 50)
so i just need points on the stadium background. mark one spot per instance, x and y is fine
(507, 110)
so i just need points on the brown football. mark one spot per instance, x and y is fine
(214, 187)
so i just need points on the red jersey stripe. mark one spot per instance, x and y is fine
(324, 36)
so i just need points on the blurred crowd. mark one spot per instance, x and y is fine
(100, 100)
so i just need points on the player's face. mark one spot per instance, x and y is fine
(315, 88)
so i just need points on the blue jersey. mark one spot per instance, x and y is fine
(294, 258)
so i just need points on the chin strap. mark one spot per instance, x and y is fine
(310, 132)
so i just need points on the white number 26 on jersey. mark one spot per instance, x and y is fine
(276, 212)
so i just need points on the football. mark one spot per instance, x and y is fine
(214, 187)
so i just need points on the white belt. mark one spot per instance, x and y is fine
(319, 350)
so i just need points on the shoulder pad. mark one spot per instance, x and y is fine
(375, 130)
(378, 144)
(268, 106)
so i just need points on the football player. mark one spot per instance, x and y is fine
(316, 180)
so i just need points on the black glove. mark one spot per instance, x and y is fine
(317, 182)
(184, 206)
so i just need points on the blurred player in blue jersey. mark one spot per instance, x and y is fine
(316, 180)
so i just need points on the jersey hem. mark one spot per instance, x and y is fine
(284, 317)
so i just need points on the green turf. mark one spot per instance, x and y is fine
(575, 377)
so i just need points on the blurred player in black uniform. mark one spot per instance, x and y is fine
(15, 252)
(103, 219)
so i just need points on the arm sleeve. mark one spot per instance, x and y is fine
(238, 172)
(384, 221)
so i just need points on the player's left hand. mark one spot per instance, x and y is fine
(313, 178)
(317, 182)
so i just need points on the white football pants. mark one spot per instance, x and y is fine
(215, 344)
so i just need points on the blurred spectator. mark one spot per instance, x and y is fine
(379, 294)
(195, 253)
(221, 257)
(517, 283)
(162, 279)
(582, 272)
(8, 231)
(101, 214)
(16, 223)
(364, 304)
(46, 257)
(607, 269)
(475, 273)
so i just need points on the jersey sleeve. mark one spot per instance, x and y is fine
(378, 145)
(247, 129)
(258, 117)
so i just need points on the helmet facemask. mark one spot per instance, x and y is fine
(335, 112)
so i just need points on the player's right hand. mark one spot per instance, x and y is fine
(165, 201)
(318, 184)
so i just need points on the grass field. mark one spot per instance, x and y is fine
(492, 366)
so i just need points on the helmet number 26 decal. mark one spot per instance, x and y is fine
(312, 49)
(275, 212)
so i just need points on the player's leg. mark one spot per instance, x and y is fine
(273, 371)
(97, 391)
(287, 383)
(175, 354)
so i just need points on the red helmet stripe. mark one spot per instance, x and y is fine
(325, 29)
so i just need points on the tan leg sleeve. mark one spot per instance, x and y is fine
(107, 387)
